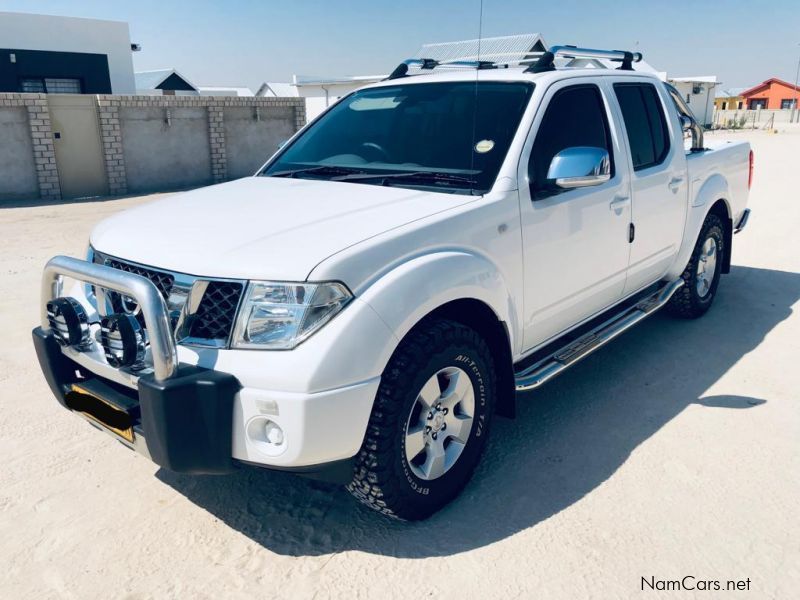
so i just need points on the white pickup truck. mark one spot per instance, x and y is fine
(363, 306)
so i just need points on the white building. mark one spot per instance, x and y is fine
(42, 53)
(321, 93)
(699, 95)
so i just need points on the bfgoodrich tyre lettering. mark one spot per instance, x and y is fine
(384, 478)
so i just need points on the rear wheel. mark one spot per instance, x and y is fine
(702, 274)
(429, 424)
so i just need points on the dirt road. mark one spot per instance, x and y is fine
(673, 452)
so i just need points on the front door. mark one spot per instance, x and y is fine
(658, 180)
(575, 242)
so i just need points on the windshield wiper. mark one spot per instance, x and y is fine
(319, 170)
(422, 176)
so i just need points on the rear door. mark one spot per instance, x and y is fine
(659, 186)
(575, 242)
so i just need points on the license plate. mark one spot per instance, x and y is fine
(101, 412)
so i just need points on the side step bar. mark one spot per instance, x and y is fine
(547, 368)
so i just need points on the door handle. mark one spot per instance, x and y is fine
(619, 202)
(675, 183)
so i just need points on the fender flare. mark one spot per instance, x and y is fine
(713, 189)
(403, 296)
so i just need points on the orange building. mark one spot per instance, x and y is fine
(772, 94)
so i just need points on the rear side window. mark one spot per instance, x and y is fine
(575, 116)
(644, 122)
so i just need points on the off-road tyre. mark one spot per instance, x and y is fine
(382, 476)
(687, 302)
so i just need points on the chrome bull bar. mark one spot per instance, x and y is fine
(154, 309)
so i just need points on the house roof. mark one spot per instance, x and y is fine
(224, 90)
(150, 80)
(729, 92)
(767, 83)
(510, 48)
(300, 80)
(277, 89)
(604, 63)
(696, 79)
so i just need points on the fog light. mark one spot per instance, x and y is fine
(123, 341)
(266, 436)
(273, 433)
(69, 323)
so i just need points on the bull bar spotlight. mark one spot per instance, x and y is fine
(123, 340)
(69, 323)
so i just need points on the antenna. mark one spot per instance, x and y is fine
(475, 104)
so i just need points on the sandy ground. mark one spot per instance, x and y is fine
(673, 452)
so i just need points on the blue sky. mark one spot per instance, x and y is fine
(246, 42)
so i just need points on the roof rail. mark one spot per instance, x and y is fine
(545, 62)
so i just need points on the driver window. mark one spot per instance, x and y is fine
(575, 116)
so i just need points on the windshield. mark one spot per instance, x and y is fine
(442, 136)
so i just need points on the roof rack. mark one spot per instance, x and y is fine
(428, 64)
(545, 61)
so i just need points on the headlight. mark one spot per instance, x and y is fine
(279, 316)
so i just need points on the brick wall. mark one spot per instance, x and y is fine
(112, 136)
(44, 156)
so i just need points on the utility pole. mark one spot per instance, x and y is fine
(794, 104)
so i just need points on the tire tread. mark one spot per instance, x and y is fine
(374, 482)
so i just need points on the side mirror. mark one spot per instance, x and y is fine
(580, 166)
(686, 123)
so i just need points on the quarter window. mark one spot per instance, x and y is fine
(575, 116)
(644, 122)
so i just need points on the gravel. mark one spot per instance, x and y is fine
(672, 452)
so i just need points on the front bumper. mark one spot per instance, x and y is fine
(204, 410)
(183, 424)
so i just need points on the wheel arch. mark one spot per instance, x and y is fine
(480, 317)
(723, 211)
(712, 196)
(460, 286)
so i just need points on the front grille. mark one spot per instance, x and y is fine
(163, 281)
(215, 315)
(217, 311)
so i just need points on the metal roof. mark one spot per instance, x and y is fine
(277, 89)
(224, 90)
(301, 80)
(150, 80)
(729, 92)
(601, 63)
(511, 48)
(696, 79)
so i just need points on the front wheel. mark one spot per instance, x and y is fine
(702, 274)
(429, 423)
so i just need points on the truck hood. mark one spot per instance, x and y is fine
(262, 227)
